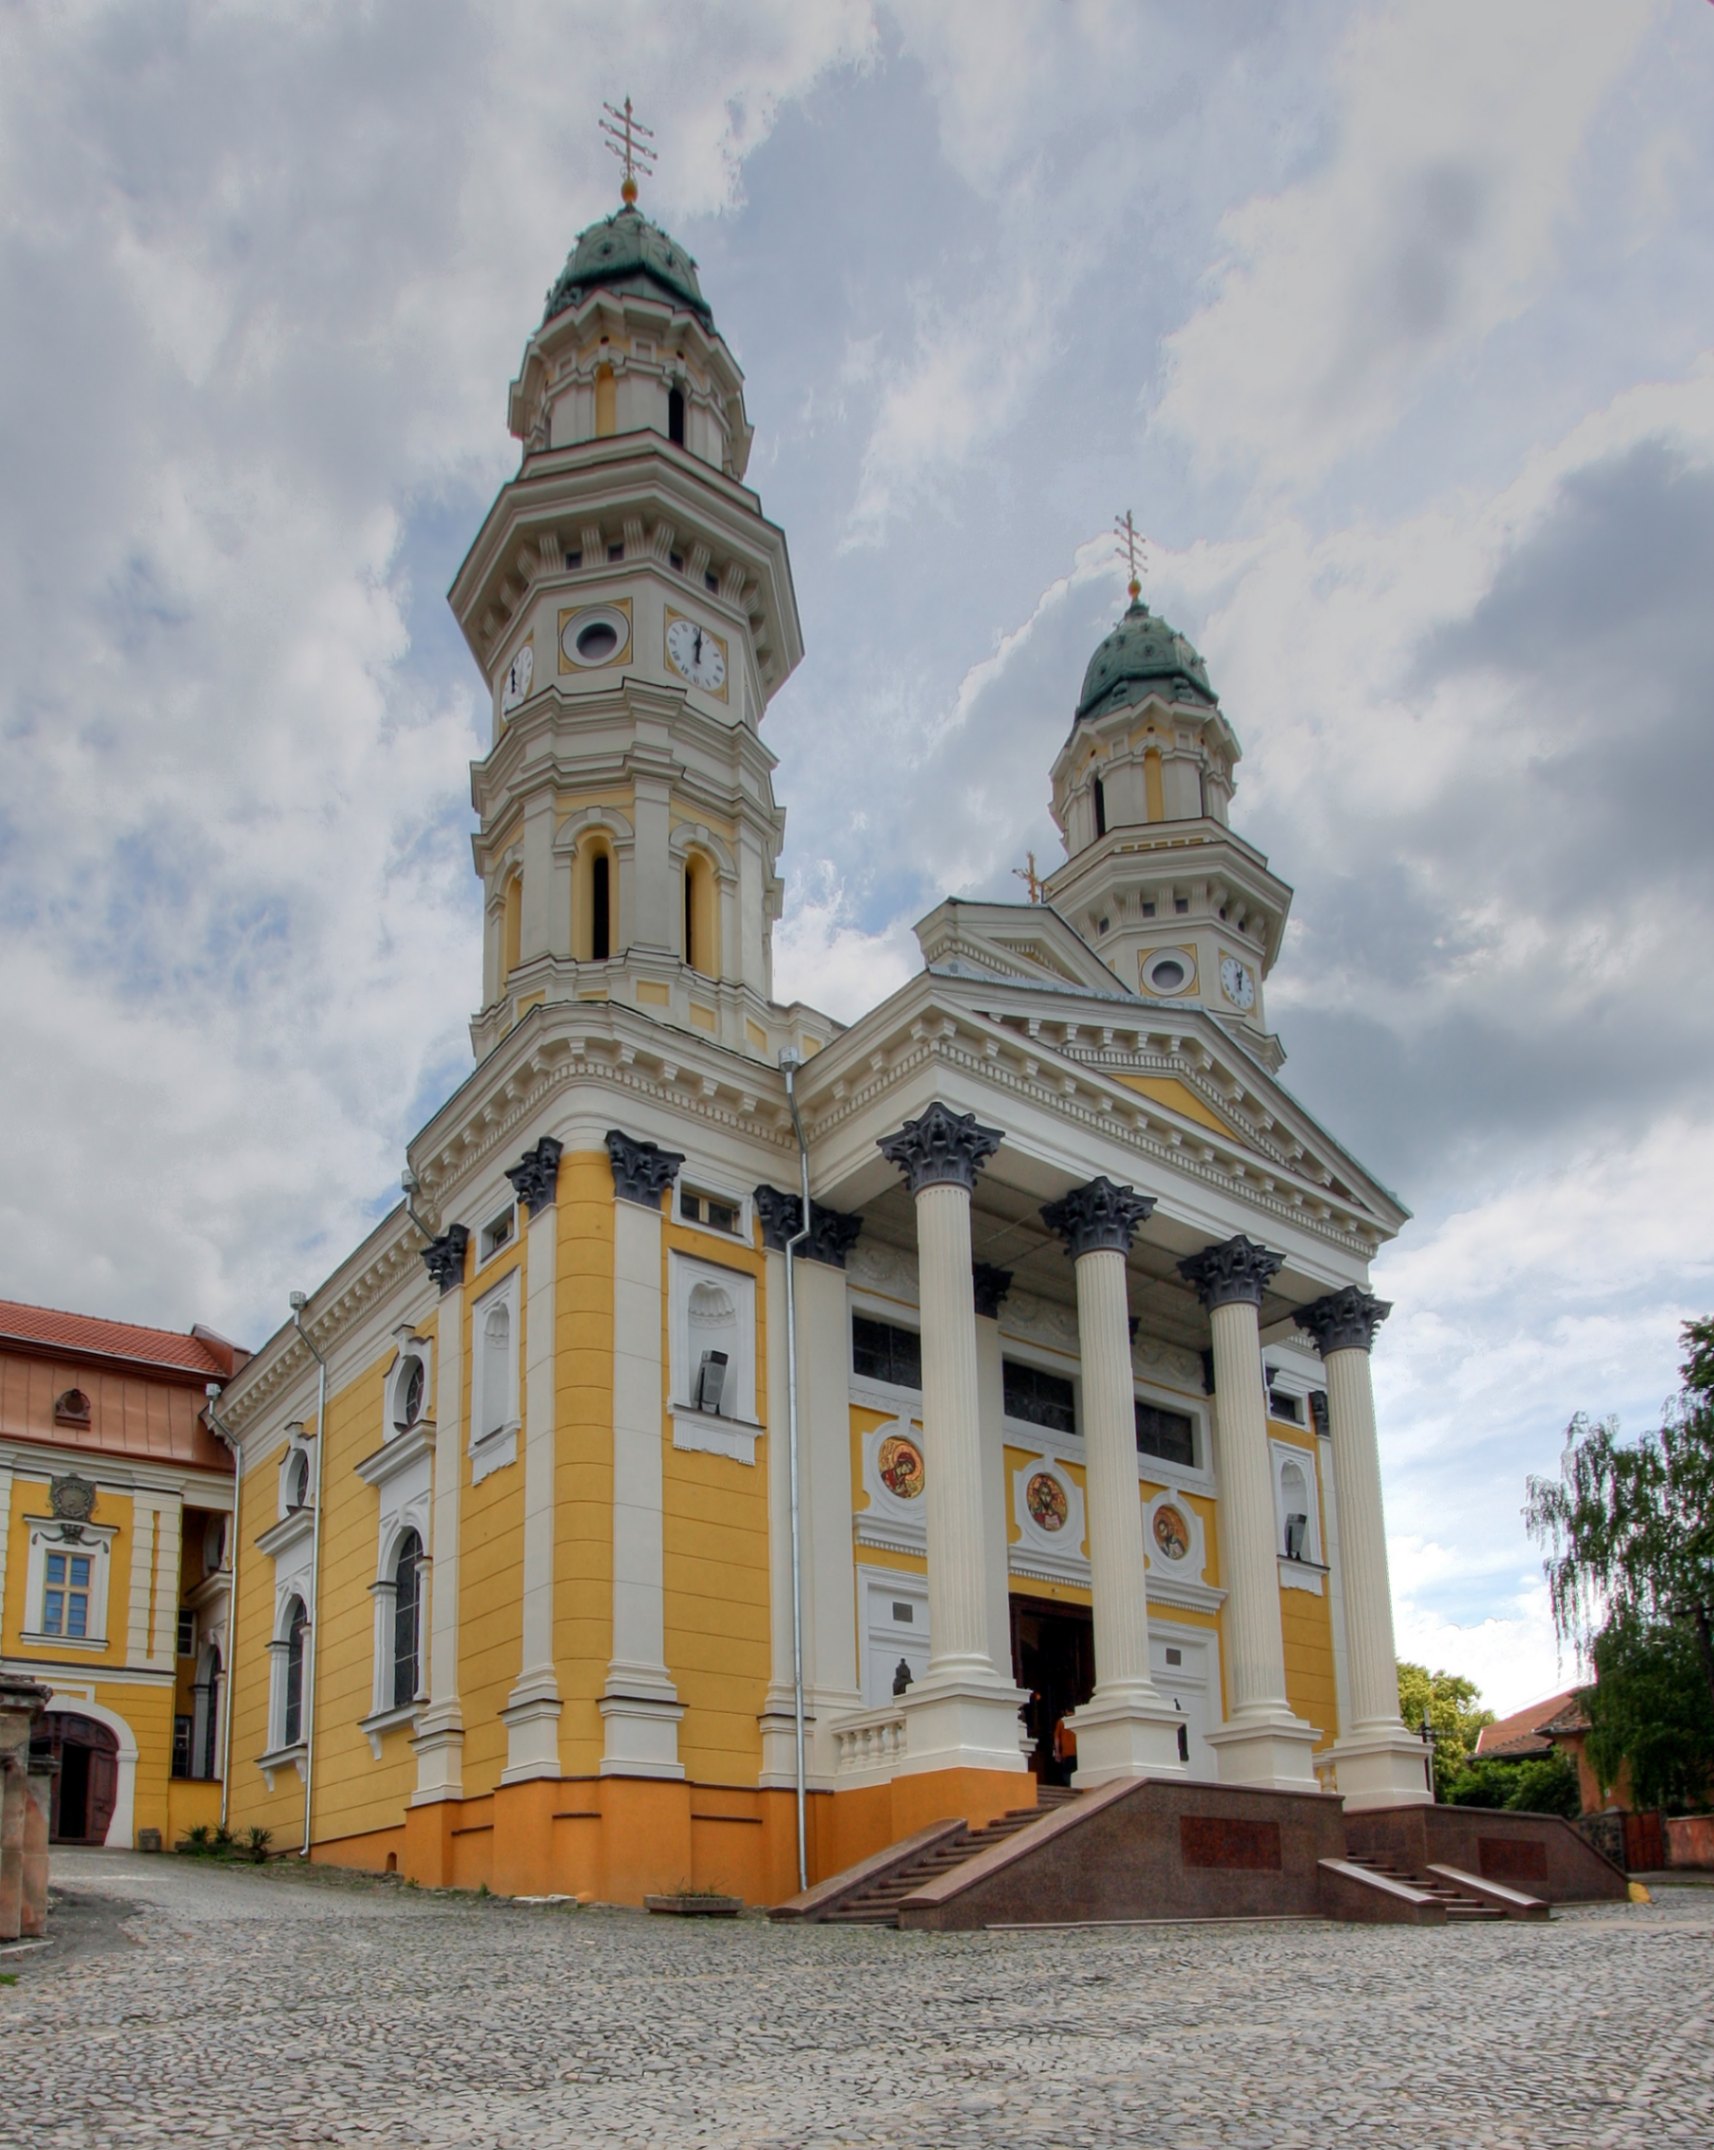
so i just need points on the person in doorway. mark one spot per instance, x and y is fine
(1064, 1748)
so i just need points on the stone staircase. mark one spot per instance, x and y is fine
(877, 1904)
(1458, 1905)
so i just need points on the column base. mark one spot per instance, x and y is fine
(439, 1744)
(642, 1717)
(1385, 1768)
(959, 1721)
(1275, 1752)
(821, 1707)
(1124, 1735)
(531, 1718)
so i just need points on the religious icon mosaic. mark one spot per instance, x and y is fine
(900, 1466)
(1044, 1496)
(1172, 1533)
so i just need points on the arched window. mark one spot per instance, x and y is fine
(594, 905)
(1100, 808)
(407, 1622)
(1294, 1512)
(292, 1707)
(511, 926)
(297, 1481)
(600, 907)
(496, 1369)
(606, 403)
(409, 1395)
(675, 416)
(701, 933)
(206, 1762)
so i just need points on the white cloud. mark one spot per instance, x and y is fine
(1435, 218)
(1511, 1654)
(823, 958)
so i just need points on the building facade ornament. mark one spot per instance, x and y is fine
(443, 1258)
(990, 1284)
(1098, 1217)
(536, 1174)
(642, 1171)
(832, 1232)
(941, 1149)
(1345, 1320)
(71, 1500)
(1236, 1272)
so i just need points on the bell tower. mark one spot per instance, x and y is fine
(1155, 880)
(632, 611)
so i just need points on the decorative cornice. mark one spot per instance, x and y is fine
(941, 1149)
(642, 1171)
(832, 1232)
(1345, 1320)
(443, 1258)
(1236, 1272)
(536, 1174)
(991, 1285)
(1099, 1218)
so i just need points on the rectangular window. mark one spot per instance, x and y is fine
(495, 1234)
(65, 1606)
(1171, 1435)
(1042, 1399)
(574, 559)
(187, 1634)
(181, 1746)
(1289, 1408)
(881, 1351)
(715, 1213)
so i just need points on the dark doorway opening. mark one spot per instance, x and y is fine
(86, 1783)
(1053, 1660)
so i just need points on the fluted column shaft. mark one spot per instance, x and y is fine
(1118, 1577)
(952, 1426)
(1255, 1645)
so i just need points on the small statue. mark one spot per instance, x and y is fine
(902, 1677)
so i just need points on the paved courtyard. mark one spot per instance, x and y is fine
(207, 2005)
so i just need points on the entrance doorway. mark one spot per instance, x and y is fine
(86, 1783)
(1053, 1660)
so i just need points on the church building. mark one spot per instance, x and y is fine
(612, 1522)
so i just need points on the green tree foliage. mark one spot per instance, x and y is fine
(1650, 1707)
(1454, 1710)
(1536, 1784)
(1630, 1529)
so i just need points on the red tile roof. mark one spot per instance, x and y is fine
(1521, 1732)
(201, 1352)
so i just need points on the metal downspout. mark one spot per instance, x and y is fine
(210, 1393)
(789, 1065)
(299, 1302)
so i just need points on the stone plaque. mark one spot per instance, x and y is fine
(1215, 1840)
(1511, 1858)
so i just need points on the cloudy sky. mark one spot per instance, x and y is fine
(1391, 322)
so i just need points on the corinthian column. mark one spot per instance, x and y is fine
(1124, 1729)
(1378, 1761)
(963, 1713)
(1262, 1740)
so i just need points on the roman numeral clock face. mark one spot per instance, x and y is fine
(696, 654)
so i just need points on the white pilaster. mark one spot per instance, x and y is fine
(963, 1714)
(439, 1736)
(639, 1705)
(1262, 1741)
(991, 1406)
(533, 1707)
(169, 1528)
(1379, 1762)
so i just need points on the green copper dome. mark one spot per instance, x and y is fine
(1141, 651)
(625, 252)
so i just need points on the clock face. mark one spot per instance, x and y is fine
(518, 678)
(1236, 983)
(696, 655)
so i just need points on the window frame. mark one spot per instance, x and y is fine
(885, 1395)
(491, 1448)
(47, 1540)
(733, 1430)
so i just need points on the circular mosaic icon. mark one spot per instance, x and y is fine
(901, 1466)
(1172, 1533)
(1044, 1497)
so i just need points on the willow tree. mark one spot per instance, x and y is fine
(1629, 1527)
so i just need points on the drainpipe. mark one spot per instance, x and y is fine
(299, 1301)
(789, 1065)
(210, 1394)
(411, 1187)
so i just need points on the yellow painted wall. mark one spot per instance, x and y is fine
(490, 1555)
(715, 1530)
(251, 1804)
(583, 1468)
(1178, 1097)
(113, 1510)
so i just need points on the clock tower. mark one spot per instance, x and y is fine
(632, 611)
(1182, 908)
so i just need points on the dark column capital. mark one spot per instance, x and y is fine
(443, 1258)
(1098, 1218)
(1236, 1272)
(941, 1149)
(832, 1232)
(642, 1171)
(991, 1286)
(1345, 1320)
(536, 1174)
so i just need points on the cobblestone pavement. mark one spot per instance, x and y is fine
(245, 2007)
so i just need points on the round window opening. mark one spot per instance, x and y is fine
(1168, 975)
(599, 639)
(595, 637)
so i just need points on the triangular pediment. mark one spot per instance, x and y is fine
(1025, 941)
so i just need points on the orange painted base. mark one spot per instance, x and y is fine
(619, 1839)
